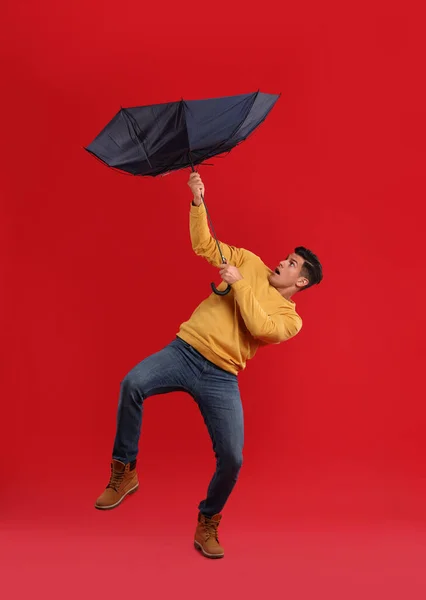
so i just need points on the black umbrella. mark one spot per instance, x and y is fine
(159, 138)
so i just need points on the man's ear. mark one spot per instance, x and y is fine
(302, 282)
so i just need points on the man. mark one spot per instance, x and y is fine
(204, 360)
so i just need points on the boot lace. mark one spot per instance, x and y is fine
(115, 480)
(211, 529)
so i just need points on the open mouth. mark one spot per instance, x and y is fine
(277, 271)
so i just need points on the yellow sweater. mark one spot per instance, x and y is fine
(228, 330)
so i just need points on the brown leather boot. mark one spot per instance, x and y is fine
(206, 539)
(123, 481)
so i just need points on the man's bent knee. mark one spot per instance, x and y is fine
(131, 383)
(231, 461)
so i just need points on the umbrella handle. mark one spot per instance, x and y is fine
(218, 292)
(214, 288)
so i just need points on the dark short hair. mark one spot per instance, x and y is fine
(311, 268)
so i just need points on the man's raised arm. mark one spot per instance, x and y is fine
(203, 243)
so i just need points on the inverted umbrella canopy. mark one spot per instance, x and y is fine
(159, 138)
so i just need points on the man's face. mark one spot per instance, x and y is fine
(288, 273)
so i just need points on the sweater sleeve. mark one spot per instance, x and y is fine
(271, 329)
(204, 244)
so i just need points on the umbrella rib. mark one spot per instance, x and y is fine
(129, 122)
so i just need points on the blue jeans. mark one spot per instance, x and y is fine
(179, 367)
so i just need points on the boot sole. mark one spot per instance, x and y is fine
(199, 547)
(111, 506)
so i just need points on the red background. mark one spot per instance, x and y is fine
(98, 272)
